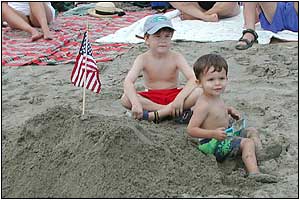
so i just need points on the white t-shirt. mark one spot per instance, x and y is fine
(25, 9)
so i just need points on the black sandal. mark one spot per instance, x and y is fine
(185, 117)
(248, 43)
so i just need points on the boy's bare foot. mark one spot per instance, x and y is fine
(263, 178)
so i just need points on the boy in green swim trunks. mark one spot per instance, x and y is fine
(211, 118)
(160, 67)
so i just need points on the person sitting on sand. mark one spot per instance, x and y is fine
(27, 15)
(210, 11)
(273, 16)
(211, 117)
(160, 67)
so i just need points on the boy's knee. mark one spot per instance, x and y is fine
(246, 142)
(248, 149)
(252, 132)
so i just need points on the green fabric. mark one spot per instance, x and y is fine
(80, 10)
(223, 146)
(62, 6)
(209, 147)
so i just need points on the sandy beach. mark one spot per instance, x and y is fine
(50, 151)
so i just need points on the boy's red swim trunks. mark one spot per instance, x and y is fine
(162, 97)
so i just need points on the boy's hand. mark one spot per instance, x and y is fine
(177, 107)
(137, 111)
(220, 134)
(234, 113)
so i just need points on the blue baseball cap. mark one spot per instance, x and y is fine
(156, 22)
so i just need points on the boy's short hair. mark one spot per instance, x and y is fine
(156, 22)
(205, 62)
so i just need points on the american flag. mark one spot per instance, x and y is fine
(92, 73)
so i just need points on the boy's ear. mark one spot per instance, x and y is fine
(198, 82)
(146, 39)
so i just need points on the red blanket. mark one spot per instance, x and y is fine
(18, 50)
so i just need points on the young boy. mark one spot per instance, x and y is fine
(211, 117)
(160, 67)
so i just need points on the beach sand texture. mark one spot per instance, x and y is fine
(50, 151)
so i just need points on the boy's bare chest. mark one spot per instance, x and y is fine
(160, 70)
(218, 115)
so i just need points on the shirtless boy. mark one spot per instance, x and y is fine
(160, 67)
(211, 117)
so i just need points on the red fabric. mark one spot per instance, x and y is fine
(18, 50)
(162, 97)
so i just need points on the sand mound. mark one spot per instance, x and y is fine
(58, 154)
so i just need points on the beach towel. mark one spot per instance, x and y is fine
(18, 50)
(198, 30)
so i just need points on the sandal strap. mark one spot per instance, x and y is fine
(252, 32)
(245, 40)
(156, 117)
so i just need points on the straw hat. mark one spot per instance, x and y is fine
(105, 9)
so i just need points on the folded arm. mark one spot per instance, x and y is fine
(129, 88)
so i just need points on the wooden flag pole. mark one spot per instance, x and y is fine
(84, 79)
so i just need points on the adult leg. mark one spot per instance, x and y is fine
(224, 9)
(40, 16)
(18, 20)
(296, 6)
(249, 20)
(191, 10)
(269, 9)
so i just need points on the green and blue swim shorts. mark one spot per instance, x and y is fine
(226, 149)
